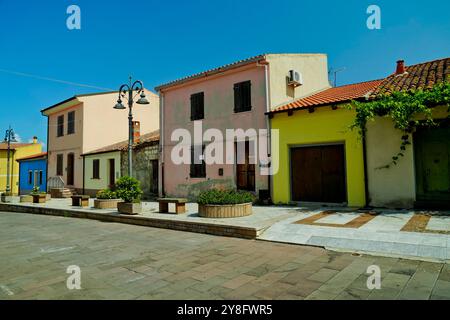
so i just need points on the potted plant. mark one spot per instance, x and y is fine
(129, 190)
(106, 199)
(38, 197)
(216, 203)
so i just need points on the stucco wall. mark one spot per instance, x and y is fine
(14, 165)
(97, 125)
(219, 114)
(92, 185)
(104, 125)
(313, 67)
(393, 187)
(320, 127)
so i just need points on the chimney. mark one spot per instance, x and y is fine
(400, 67)
(136, 131)
(35, 140)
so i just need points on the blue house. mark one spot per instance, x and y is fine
(33, 173)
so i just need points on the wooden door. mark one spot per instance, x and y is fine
(432, 162)
(318, 174)
(70, 169)
(112, 172)
(245, 171)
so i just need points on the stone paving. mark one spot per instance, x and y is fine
(423, 235)
(120, 261)
(398, 233)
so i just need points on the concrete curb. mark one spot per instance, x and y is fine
(189, 226)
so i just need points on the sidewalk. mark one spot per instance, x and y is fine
(398, 233)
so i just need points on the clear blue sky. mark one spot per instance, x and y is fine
(158, 41)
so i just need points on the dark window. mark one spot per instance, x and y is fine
(59, 165)
(71, 122)
(197, 106)
(242, 96)
(40, 177)
(198, 168)
(30, 177)
(60, 129)
(96, 169)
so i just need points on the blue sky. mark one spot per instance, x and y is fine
(158, 41)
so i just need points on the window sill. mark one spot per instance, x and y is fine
(243, 111)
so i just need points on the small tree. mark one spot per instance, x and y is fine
(129, 189)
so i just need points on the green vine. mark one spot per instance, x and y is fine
(403, 107)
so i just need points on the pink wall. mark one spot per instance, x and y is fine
(219, 113)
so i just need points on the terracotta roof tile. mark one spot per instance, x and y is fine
(332, 95)
(419, 76)
(34, 156)
(148, 137)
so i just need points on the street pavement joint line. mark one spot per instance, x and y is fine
(6, 290)
(54, 250)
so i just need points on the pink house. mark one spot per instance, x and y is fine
(234, 96)
(88, 122)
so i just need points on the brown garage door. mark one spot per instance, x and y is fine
(318, 174)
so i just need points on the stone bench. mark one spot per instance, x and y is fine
(180, 204)
(80, 201)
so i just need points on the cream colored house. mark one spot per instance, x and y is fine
(88, 122)
(233, 96)
(104, 166)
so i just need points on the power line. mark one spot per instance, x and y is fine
(22, 74)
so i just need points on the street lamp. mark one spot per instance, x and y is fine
(9, 137)
(136, 88)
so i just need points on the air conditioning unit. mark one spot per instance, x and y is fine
(295, 78)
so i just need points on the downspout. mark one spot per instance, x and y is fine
(84, 166)
(161, 142)
(268, 125)
(366, 180)
(48, 154)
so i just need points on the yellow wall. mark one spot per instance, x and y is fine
(103, 182)
(320, 127)
(20, 152)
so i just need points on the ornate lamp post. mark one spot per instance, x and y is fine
(9, 137)
(129, 92)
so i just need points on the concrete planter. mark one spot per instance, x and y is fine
(26, 198)
(6, 198)
(225, 211)
(106, 203)
(39, 198)
(129, 208)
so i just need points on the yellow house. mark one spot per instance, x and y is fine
(17, 151)
(320, 159)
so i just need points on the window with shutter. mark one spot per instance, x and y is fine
(96, 169)
(60, 126)
(242, 96)
(198, 168)
(197, 106)
(59, 164)
(71, 122)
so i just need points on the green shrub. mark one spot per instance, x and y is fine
(36, 191)
(129, 189)
(106, 194)
(216, 196)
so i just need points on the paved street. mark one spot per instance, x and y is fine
(120, 261)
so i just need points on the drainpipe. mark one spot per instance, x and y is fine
(161, 142)
(84, 166)
(268, 124)
(366, 180)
